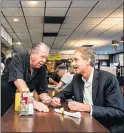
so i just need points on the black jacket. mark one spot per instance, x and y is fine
(108, 106)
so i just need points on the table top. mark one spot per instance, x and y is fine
(49, 122)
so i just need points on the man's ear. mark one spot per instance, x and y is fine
(88, 61)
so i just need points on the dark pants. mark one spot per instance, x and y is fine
(7, 96)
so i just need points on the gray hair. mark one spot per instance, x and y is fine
(87, 54)
(36, 46)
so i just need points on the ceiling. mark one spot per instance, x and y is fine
(65, 25)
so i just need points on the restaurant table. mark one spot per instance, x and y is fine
(49, 122)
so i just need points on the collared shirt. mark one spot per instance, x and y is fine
(87, 93)
(2, 67)
(19, 68)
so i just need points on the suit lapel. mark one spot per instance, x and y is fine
(95, 84)
(81, 88)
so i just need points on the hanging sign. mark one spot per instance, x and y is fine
(55, 57)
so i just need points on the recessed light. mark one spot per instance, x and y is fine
(19, 43)
(122, 39)
(15, 19)
(33, 2)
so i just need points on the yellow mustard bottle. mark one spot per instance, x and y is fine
(17, 100)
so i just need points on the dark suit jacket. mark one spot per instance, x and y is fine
(108, 107)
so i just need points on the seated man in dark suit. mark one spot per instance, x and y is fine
(95, 91)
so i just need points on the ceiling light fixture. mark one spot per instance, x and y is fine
(33, 2)
(15, 19)
(122, 39)
(115, 44)
(19, 43)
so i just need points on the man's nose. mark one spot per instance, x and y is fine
(72, 64)
(44, 60)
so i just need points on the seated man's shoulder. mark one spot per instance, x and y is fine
(106, 74)
(67, 75)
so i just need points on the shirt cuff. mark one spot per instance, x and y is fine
(91, 110)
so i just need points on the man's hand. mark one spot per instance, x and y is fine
(45, 98)
(76, 106)
(50, 80)
(40, 106)
(56, 89)
(55, 102)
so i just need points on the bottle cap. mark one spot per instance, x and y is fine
(19, 90)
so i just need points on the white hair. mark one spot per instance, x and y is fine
(37, 47)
